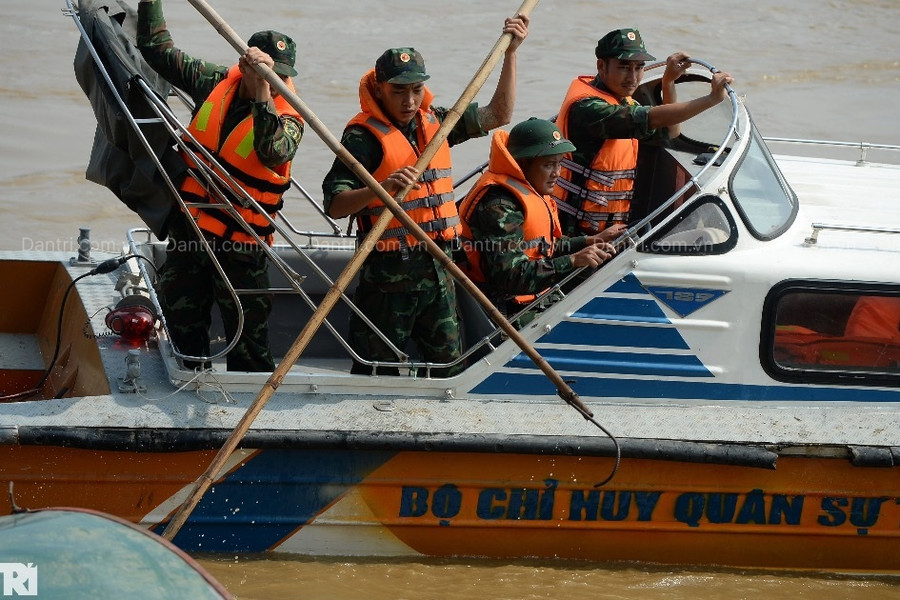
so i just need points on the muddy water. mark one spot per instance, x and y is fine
(810, 69)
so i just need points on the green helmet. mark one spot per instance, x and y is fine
(537, 137)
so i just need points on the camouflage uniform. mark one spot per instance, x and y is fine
(275, 139)
(188, 283)
(498, 218)
(407, 296)
(592, 121)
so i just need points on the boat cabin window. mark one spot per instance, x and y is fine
(814, 333)
(762, 196)
(705, 228)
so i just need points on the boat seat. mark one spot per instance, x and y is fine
(475, 322)
(290, 313)
(658, 175)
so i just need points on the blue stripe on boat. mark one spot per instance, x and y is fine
(628, 363)
(623, 309)
(270, 496)
(629, 284)
(627, 336)
(505, 385)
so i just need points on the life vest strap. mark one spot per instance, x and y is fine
(221, 225)
(220, 195)
(429, 227)
(243, 178)
(434, 174)
(607, 178)
(601, 197)
(432, 201)
(594, 218)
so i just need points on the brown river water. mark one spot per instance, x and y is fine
(816, 69)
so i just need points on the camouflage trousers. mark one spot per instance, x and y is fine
(189, 285)
(427, 316)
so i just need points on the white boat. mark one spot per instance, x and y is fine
(725, 413)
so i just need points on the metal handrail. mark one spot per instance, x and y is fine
(295, 183)
(217, 178)
(819, 227)
(135, 125)
(863, 147)
(643, 228)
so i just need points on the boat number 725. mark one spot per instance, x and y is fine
(685, 301)
(685, 295)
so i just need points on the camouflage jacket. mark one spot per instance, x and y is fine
(392, 271)
(592, 121)
(367, 150)
(275, 139)
(498, 217)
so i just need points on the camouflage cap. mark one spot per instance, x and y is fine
(280, 47)
(624, 44)
(537, 137)
(401, 66)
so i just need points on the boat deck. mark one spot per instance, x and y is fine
(398, 406)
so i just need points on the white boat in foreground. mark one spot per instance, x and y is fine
(746, 421)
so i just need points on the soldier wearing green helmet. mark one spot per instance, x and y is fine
(510, 227)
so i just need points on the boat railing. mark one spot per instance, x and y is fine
(213, 176)
(813, 239)
(863, 147)
(136, 125)
(647, 225)
(217, 179)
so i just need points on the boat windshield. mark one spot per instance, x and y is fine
(763, 198)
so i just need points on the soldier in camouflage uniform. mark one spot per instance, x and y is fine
(405, 292)
(600, 112)
(510, 225)
(188, 282)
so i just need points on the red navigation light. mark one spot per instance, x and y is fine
(132, 322)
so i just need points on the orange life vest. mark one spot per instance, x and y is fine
(605, 196)
(540, 229)
(432, 206)
(875, 317)
(235, 153)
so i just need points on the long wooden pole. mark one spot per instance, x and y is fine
(368, 244)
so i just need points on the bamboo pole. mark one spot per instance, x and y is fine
(366, 247)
